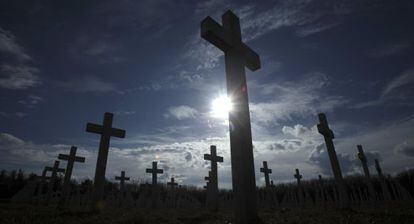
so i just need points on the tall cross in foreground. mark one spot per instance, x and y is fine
(265, 170)
(71, 158)
(172, 183)
(154, 172)
(323, 128)
(122, 180)
(106, 131)
(227, 37)
(55, 170)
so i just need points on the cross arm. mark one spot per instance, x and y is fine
(159, 171)
(60, 170)
(94, 128)
(219, 159)
(63, 157)
(224, 40)
(118, 133)
(80, 159)
(207, 157)
(149, 170)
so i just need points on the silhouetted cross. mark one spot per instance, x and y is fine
(266, 172)
(297, 176)
(227, 37)
(122, 180)
(106, 131)
(172, 183)
(154, 172)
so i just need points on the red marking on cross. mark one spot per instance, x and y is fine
(244, 88)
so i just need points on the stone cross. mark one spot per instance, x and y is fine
(172, 183)
(214, 160)
(298, 176)
(154, 172)
(122, 180)
(385, 190)
(266, 172)
(364, 162)
(55, 170)
(106, 131)
(71, 158)
(323, 128)
(227, 37)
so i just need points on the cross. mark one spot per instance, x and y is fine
(363, 159)
(122, 180)
(106, 131)
(154, 172)
(71, 158)
(266, 172)
(378, 168)
(172, 183)
(323, 128)
(214, 159)
(297, 176)
(55, 170)
(227, 37)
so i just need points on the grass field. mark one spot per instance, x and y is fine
(393, 214)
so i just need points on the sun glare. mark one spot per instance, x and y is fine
(221, 106)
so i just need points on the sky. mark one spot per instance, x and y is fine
(66, 63)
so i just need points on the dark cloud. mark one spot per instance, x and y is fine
(320, 157)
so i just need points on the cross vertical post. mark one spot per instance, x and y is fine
(265, 170)
(385, 190)
(71, 158)
(227, 37)
(172, 183)
(213, 177)
(106, 131)
(323, 128)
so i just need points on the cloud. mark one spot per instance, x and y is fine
(18, 77)
(181, 112)
(9, 45)
(31, 101)
(405, 148)
(88, 84)
(396, 92)
(10, 140)
(389, 50)
(294, 99)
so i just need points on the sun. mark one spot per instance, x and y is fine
(221, 106)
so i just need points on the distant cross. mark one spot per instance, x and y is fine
(227, 37)
(122, 180)
(384, 186)
(213, 177)
(271, 183)
(378, 168)
(323, 128)
(106, 131)
(172, 183)
(55, 170)
(363, 159)
(298, 176)
(71, 158)
(266, 172)
(155, 171)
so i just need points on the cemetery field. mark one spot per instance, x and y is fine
(393, 214)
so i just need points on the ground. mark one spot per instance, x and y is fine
(393, 214)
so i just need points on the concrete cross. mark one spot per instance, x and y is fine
(266, 172)
(364, 162)
(298, 176)
(227, 37)
(71, 158)
(323, 128)
(122, 180)
(172, 183)
(384, 186)
(106, 131)
(55, 170)
(154, 172)
(213, 177)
